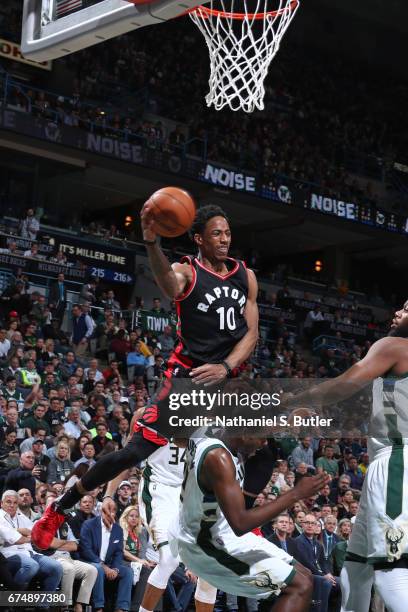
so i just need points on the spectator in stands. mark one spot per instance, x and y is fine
(303, 453)
(166, 341)
(82, 330)
(24, 476)
(30, 226)
(10, 249)
(11, 419)
(329, 539)
(309, 552)
(135, 538)
(111, 302)
(122, 433)
(60, 468)
(326, 496)
(94, 367)
(25, 503)
(68, 365)
(39, 310)
(344, 528)
(33, 252)
(60, 259)
(355, 474)
(120, 346)
(40, 458)
(313, 317)
(8, 445)
(10, 391)
(28, 374)
(101, 543)
(327, 463)
(22, 561)
(88, 454)
(10, 537)
(87, 294)
(102, 438)
(364, 462)
(56, 414)
(123, 497)
(37, 420)
(4, 347)
(344, 506)
(157, 307)
(280, 535)
(353, 509)
(57, 297)
(74, 426)
(136, 363)
(84, 513)
(177, 138)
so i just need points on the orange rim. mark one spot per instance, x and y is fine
(205, 12)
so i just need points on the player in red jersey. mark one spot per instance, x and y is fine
(218, 330)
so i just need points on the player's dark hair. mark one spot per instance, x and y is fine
(204, 214)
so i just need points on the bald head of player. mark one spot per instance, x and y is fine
(211, 233)
(399, 324)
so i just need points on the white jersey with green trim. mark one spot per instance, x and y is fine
(167, 465)
(389, 417)
(199, 506)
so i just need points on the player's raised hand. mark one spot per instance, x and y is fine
(310, 485)
(108, 511)
(208, 374)
(147, 220)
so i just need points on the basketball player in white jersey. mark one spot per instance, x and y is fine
(159, 503)
(213, 535)
(377, 551)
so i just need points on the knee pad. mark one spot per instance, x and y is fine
(164, 569)
(205, 593)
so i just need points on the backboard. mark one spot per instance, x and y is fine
(54, 28)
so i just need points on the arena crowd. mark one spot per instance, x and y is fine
(68, 398)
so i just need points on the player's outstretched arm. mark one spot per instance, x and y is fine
(172, 279)
(380, 359)
(218, 476)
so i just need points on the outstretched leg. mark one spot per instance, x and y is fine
(106, 469)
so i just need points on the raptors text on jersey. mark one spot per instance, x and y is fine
(211, 311)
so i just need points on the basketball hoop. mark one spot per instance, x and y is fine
(242, 45)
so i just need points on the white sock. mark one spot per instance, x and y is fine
(392, 586)
(141, 609)
(356, 580)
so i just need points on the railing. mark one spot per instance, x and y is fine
(354, 161)
(331, 342)
(15, 92)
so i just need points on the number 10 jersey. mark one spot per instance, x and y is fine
(211, 311)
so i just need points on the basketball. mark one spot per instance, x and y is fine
(174, 211)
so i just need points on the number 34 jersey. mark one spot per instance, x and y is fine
(166, 466)
(211, 311)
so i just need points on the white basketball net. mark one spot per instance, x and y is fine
(241, 49)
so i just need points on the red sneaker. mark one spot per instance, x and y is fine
(46, 527)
